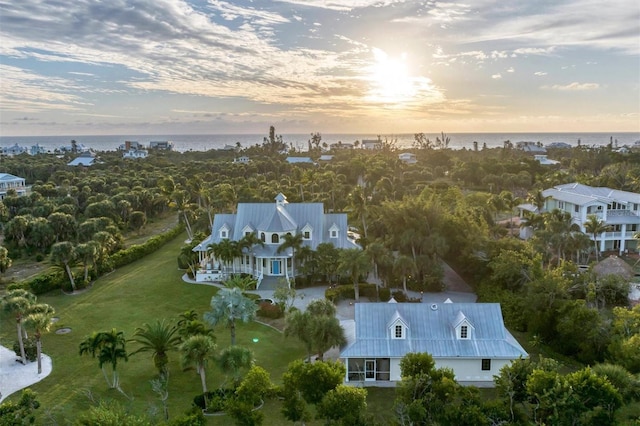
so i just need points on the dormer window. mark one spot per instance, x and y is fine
(333, 231)
(306, 232)
(464, 332)
(263, 237)
(398, 331)
(462, 326)
(224, 232)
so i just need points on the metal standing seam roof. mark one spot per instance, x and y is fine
(9, 177)
(595, 193)
(430, 329)
(275, 218)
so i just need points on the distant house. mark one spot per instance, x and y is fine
(620, 210)
(325, 157)
(469, 338)
(242, 160)
(269, 222)
(87, 159)
(37, 149)
(408, 157)
(9, 181)
(136, 153)
(298, 160)
(131, 145)
(371, 144)
(14, 150)
(559, 145)
(542, 159)
(532, 147)
(161, 145)
(340, 145)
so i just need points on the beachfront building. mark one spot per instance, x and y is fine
(10, 182)
(619, 210)
(86, 159)
(300, 160)
(268, 224)
(469, 338)
(161, 145)
(408, 157)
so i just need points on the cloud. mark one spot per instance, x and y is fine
(496, 76)
(575, 86)
(539, 73)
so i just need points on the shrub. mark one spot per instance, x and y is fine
(30, 349)
(269, 310)
(47, 281)
(216, 400)
(385, 294)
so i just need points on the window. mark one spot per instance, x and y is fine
(275, 238)
(486, 365)
(576, 208)
(223, 234)
(398, 331)
(464, 332)
(334, 234)
(246, 234)
(306, 235)
(262, 237)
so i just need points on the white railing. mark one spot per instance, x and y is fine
(617, 235)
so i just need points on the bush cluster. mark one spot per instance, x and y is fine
(30, 348)
(269, 310)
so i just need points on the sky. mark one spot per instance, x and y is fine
(94, 67)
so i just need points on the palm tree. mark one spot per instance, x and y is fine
(87, 254)
(595, 226)
(326, 332)
(196, 351)
(109, 347)
(19, 302)
(404, 266)
(235, 358)
(354, 263)
(294, 242)
(229, 306)
(63, 254)
(158, 338)
(5, 260)
(189, 325)
(41, 323)
(226, 250)
(358, 205)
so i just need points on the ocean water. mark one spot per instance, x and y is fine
(183, 143)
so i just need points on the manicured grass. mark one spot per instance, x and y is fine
(144, 291)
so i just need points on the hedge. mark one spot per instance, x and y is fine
(49, 281)
(341, 292)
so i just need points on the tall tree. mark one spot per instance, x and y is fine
(19, 302)
(158, 338)
(404, 266)
(229, 306)
(63, 254)
(354, 263)
(5, 260)
(197, 351)
(595, 226)
(41, 323)
(87, 254)
(110, 348)
(294, 242)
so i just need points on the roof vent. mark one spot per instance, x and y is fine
(434, 306)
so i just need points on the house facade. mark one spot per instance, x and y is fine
(269, 223)
(408, 157)
(9, 181)
(469, 338)
(620, 210)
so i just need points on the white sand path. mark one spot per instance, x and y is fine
(14, 376)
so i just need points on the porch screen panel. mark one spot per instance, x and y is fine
(383, 369)
(355, 369)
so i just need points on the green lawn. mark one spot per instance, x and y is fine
(142, 292)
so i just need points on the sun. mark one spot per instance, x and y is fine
(390, 79)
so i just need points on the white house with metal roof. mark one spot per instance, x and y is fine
(270, 222)
(9, 181)
(620, 210)
(469, 338)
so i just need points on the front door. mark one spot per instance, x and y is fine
(275, 267)
(369, 369)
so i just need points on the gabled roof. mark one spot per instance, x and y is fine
(272, 217)
(7, 177)
(432, 331)
(580, 194)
